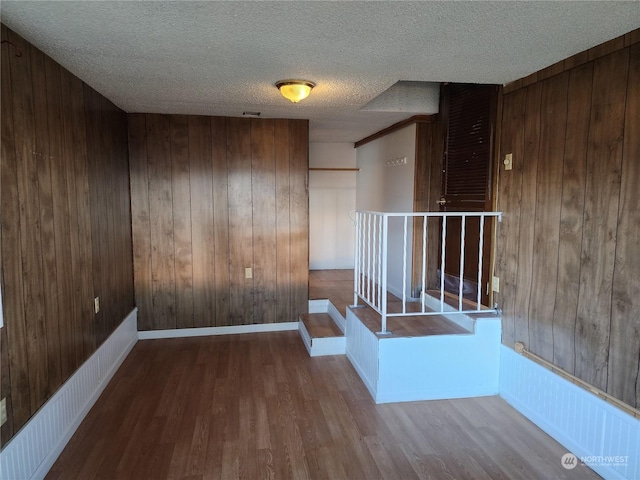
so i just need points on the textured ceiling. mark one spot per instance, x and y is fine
(222, 58)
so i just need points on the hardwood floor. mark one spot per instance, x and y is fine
(336, 285)
(257, 406)
(408, 326)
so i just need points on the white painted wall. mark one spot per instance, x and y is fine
(390, 189)
(332, 196)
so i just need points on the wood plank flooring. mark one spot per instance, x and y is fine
(256, 406)
(320, 325)
(336, 285)
(408, 326)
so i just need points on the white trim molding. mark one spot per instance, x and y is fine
(599, 434)
(34, 449)
(209, 331)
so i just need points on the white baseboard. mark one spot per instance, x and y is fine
(35, 448)
(319, 306)
(306, 338)
(321, 347)
(603, 436)
(337, 317)
(209, 331)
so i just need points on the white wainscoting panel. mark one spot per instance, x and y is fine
(34, 449)
(601, 435)
(362, 351)
(440, 366)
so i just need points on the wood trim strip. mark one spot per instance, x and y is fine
(394, 127)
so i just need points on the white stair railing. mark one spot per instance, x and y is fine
(372, 262)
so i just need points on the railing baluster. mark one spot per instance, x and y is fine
(423, 287)
(383, 259)
(369, 259)
(463, 228)
(356, 260)
(379, 278)
(480, 258)
(371, 262)
(404, 267)
(442, 255)
(361, 246)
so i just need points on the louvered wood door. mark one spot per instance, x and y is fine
(469, 112)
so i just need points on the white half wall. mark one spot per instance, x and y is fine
(384, 188)
(600, 435)
(440, 366)
(33, 450)
(332, 196)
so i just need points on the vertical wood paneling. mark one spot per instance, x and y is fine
(12, 286)
(553, 119)
(427, 191)
(121, 210)
(527, 211)
(31, 249)
(246, 203)
(202, 221)
(181, 192)
(509, 198)
(50, 122)
(141, 218)
(576, 298)
(604, 157)
(433, 236)
(263, 189)
(299, 214)
(61, 226)
(220, 217)
(85, 320)
(624, 346)
(241, 303)
(571, 216)
(96, 192)
(72, 328)
(161, 219)
(284, 312)
(43, 159)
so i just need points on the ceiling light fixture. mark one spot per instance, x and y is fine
(295, 90)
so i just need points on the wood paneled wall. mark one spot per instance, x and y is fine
(65, 226)
(567, 247)
(427, 188)
(212, 196)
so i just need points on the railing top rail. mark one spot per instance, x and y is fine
(432, 214)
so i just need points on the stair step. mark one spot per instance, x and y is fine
(321, 325)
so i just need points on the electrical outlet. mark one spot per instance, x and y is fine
(96, 304)
(495, 284)
(248, 273)
(508, 161)
(3, 411)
